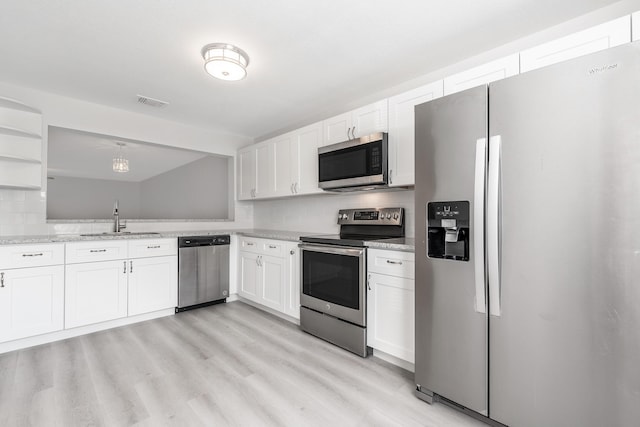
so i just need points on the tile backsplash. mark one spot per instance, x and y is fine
(318, 213)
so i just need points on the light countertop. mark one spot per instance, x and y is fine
(401, 244)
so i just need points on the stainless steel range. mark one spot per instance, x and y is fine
(334, 276)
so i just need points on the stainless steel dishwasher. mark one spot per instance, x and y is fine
(203, 271)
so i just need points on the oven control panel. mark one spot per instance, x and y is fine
(371, 216)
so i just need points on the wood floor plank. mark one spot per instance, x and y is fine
(225, 365)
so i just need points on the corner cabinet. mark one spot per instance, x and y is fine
(31, 290)
(280, 167)
(402, 132)
(20, 145)
(391, 303)
(268, 274)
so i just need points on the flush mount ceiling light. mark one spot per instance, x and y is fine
(120, 164)
(225, 61)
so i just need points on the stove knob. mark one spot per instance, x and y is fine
(345, 216)
(388, 216)
(395, 216)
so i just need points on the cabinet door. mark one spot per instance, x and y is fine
(402, 132)
(604, 36)
(304, 159)
(271, 281)
(31, 302)
(292, 280)
(336, 129)
(153, 284)
(390, 315)
(95, 292)
(248, 286)
(635, 25)
(282, 165)
(265, 184)
(370, 119)
(483, 74)
(246, 173)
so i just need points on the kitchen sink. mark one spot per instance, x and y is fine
(122, 233)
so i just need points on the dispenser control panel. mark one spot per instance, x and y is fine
(448, 230)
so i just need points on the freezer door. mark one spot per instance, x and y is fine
(451, 319)
(565, 347)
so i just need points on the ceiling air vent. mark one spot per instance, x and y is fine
(151, 102)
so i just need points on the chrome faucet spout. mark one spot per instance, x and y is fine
(117, 227)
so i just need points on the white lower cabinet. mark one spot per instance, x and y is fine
(391, 303)
(152, 284)
(144, 279)
(95, 292)
(292, 280)
(268, 274)
(31, 301)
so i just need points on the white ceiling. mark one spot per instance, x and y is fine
(79, 154)
(308, 58)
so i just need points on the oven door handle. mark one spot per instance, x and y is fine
(357, 252)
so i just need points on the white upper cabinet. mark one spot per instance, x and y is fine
(304, 159)
(635, 25)
(604, 36)
(354, 124)
(336, 129)
(265, 185)
(483, 74)
(283, 166)
(402, 133)
(246, 173)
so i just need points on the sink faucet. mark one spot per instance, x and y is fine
(117, 227)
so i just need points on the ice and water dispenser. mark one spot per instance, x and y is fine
(448, 230)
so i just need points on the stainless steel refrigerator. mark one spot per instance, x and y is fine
(528, 245)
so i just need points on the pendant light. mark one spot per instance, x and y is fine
(225, 61)
(120, 164)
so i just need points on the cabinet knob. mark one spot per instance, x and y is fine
(292, 252)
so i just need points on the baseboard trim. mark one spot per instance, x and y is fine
(81, 330)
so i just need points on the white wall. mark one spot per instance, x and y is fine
(83, 198)
(182, 193)
(24, 212)
(318, 214)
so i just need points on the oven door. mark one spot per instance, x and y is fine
(333, 281)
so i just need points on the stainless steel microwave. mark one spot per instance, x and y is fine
(356, 164)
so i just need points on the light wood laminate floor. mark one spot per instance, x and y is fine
(229, 364)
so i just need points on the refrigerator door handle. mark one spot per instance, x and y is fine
(478, 224)
(493, 224)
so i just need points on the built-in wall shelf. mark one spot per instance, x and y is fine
(6, 130)
(12, 158)
(20, 145)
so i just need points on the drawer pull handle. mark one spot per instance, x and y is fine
(97, 250)
(249, 244)
(40, 254)
(394, 262)
(272, 246)
(153, 247)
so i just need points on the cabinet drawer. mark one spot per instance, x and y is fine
(250, 245)
(272, 247)
(145, 248)
(100, 250)
(18, 256)
(393, 263)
